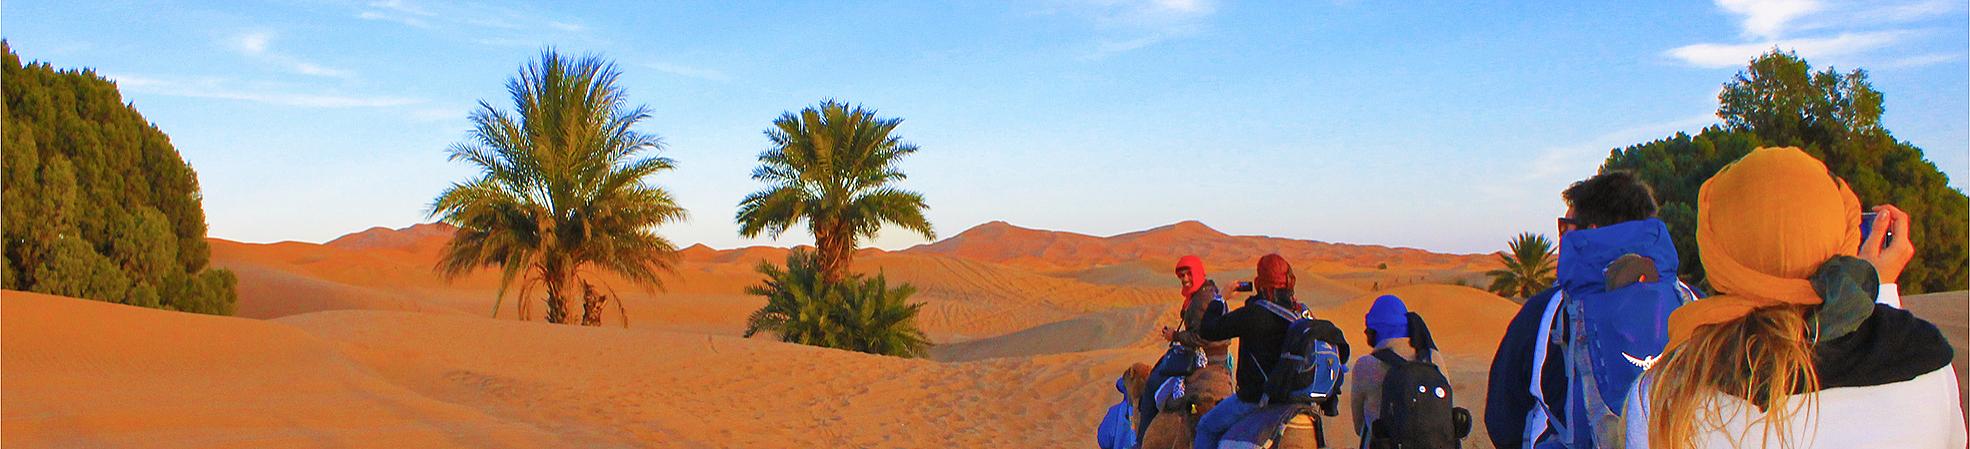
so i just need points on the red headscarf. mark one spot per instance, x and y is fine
(1274, 273)
(1196, 267)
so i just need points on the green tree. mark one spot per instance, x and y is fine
(860, 313)
(834, 167)
(98, 204)
(1527, 268)
(1778, 100)
(561, 190)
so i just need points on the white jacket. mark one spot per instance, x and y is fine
(1919, 413)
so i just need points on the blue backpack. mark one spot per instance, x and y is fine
(1311, 361)
(1608, 323)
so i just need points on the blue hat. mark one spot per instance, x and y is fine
(1389, 318)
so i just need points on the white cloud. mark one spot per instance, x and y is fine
(1924, 60)
(688, 71)
(1587, 156)
(1126, 25)
(254, 43)
(225, 89)
(1835, 47)
(1767, 18)
(1842, 33)
(471, 18)
(259, 45)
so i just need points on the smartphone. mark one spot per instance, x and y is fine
(1243, 286)
(1867, 225)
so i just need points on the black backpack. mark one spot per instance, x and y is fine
(1312, 361)
(1417, 408)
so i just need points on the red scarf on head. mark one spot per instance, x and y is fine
(1274, 273)
(1196, 267)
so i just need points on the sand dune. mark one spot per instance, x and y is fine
(131, 377)
(92, 374)
(1054, 250)
(360, 345)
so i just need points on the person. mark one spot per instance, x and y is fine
(1794, 350)
(1529, 384)
(1388, 328)
(1260, 334)
(1205, 385)
(1117, 429)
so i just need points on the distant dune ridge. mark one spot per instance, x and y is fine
(357, 343)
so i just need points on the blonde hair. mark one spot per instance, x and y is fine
(1764, 358)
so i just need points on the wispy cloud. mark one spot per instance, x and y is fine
(1925, 60)
(454, 17)
(1585, 156)
(1839, 33)
(1553, 167)
(259, 45)
(688, 71)
(1839, 46)
(1127, 25)
(227, 89)
(1766, 19)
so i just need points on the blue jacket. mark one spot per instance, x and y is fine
(1117, 430)
(1508, 396)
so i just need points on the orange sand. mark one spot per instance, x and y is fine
(355, 343)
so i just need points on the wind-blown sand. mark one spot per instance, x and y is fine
(355, 343)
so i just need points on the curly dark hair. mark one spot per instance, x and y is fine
(1610, 198)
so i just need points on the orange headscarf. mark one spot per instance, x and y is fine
(1764, 224)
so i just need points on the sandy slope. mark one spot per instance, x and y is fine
(130, 377)
(92, 374)
(1056, 250)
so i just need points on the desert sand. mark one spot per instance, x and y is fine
(355, 343)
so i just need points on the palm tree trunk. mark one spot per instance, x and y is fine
(836, 246)
(557, 298)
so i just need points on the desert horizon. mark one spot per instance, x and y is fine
(515, 224)
(326, 334)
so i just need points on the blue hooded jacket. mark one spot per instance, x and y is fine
(1117, 430)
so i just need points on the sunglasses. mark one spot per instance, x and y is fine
(1567, 224)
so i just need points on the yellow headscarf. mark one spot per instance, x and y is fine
(1764, 224)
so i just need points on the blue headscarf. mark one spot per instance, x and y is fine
(1389, 318)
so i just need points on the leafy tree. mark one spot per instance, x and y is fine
(561, 190)
(834, 167)
(98, 204)
(1528, 267)
(1779, 101)
(860, 313)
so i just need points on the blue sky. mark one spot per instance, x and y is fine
(1449, 127)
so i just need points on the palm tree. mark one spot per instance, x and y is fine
(861, 313)
(835, 167)
(1528, 268)
(796, 302)
(561, 190)
(880, 320)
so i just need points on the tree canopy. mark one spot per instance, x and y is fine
(1779, 101)
(99, 205)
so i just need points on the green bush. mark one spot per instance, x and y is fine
(98, 203)
(859, 313)
(1779, 101)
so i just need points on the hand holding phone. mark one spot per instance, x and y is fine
(1885, 241)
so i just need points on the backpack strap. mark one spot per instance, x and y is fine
(1389, 357)
(1280, 310)
(1541, 420)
